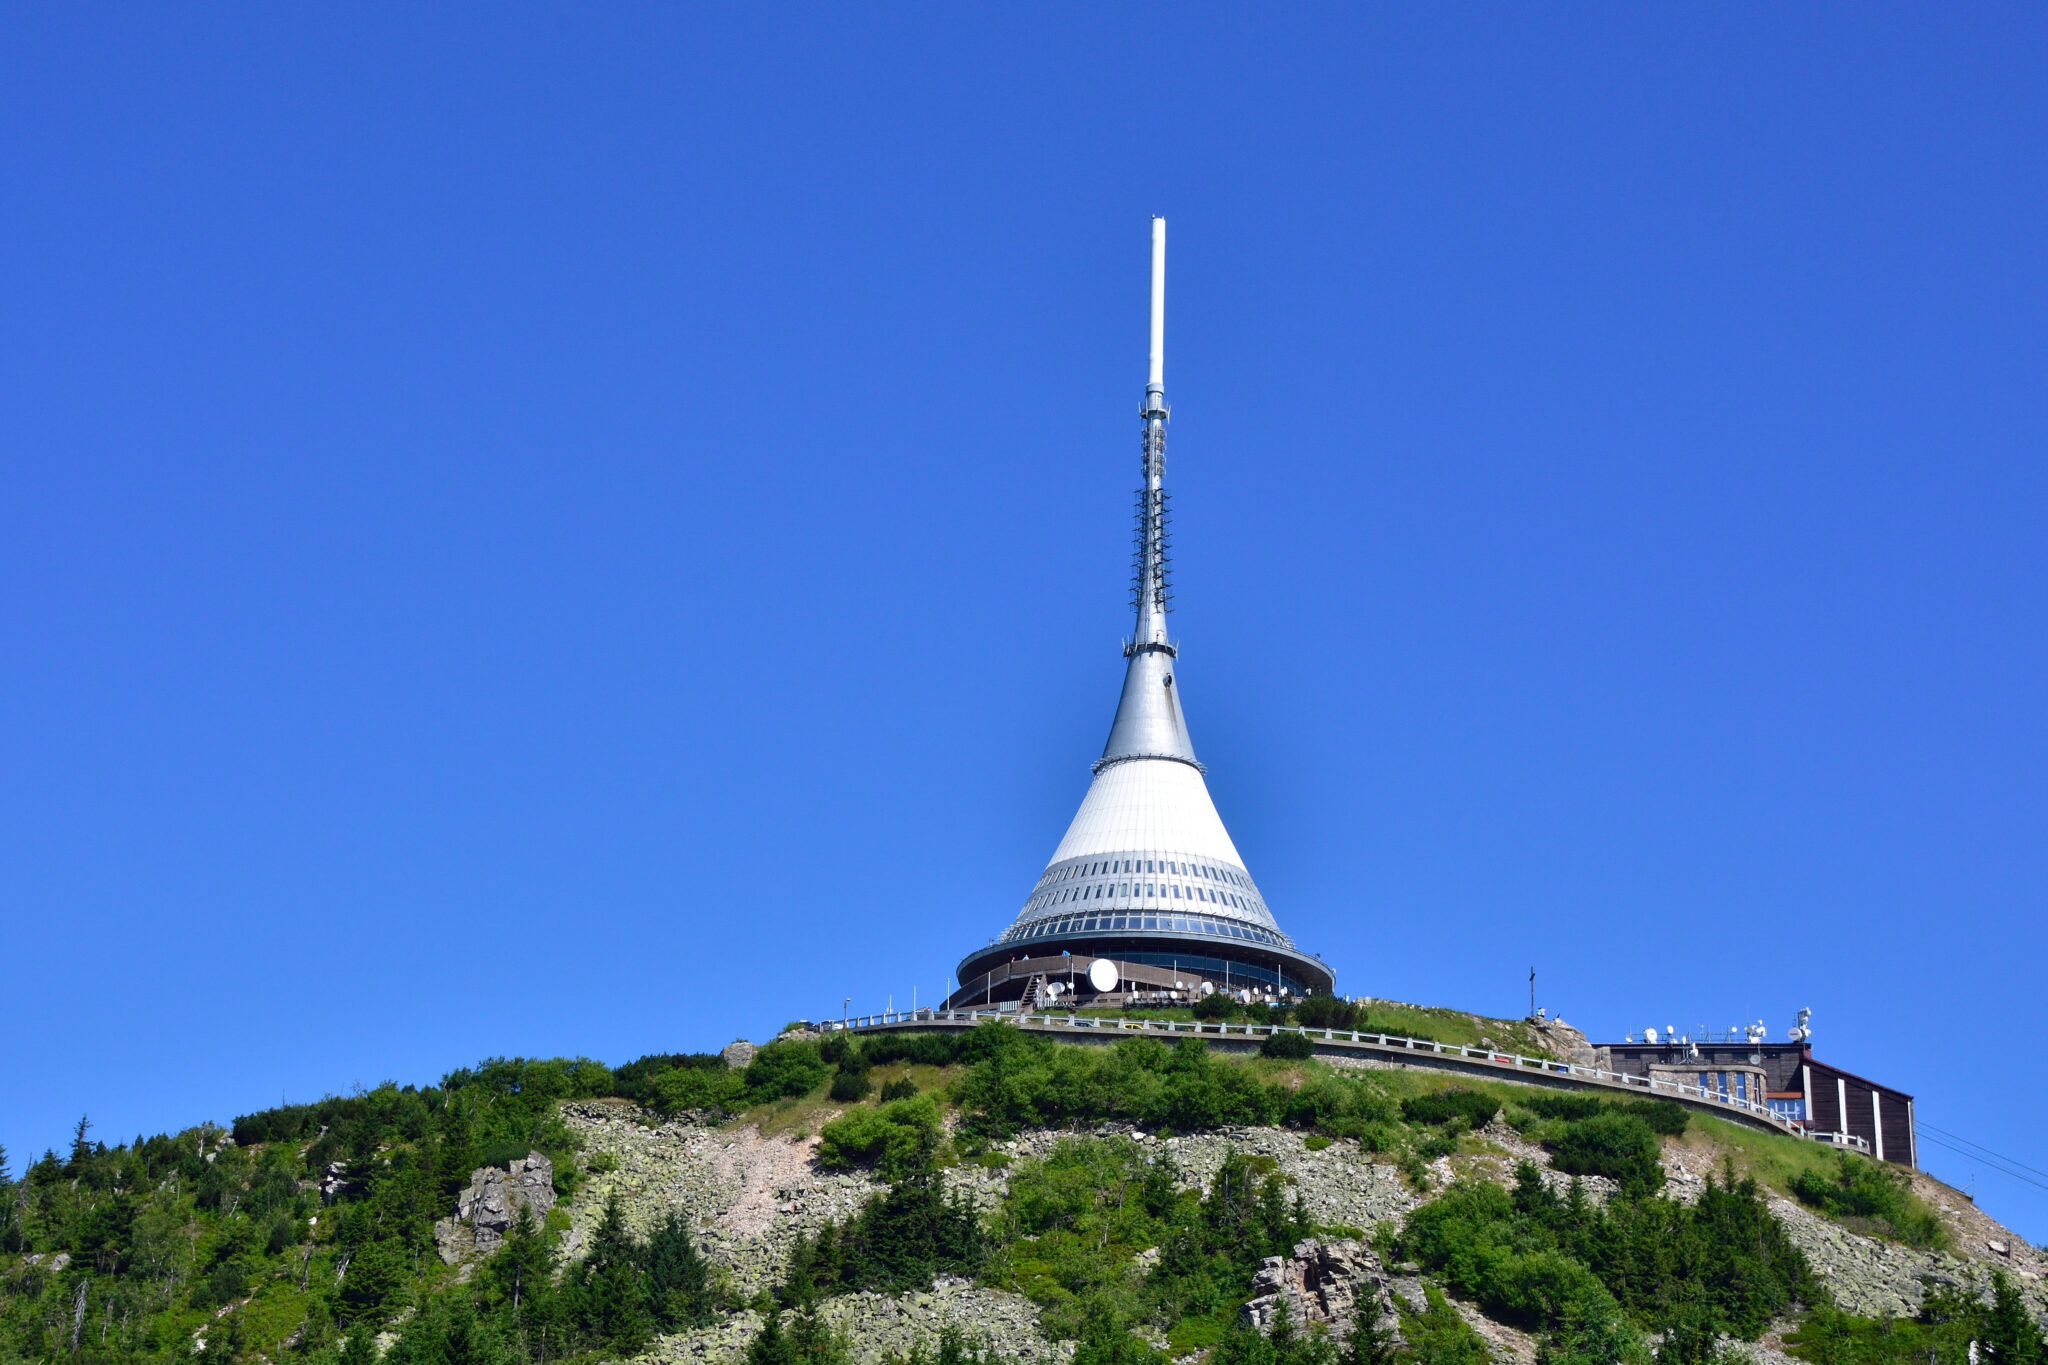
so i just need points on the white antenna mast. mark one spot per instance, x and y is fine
(1155, 382)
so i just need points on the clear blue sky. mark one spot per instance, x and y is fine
(601, 531)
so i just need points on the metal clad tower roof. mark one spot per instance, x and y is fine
(1147, 872)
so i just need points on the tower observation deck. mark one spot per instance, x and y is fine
(1147, 879)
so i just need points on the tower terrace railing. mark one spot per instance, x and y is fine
(1425, 1052)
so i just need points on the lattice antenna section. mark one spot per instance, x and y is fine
(1153, 537)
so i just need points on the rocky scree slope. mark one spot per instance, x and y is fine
(751, 1196)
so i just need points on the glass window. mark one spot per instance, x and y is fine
(1151, 923)
(1176, 893)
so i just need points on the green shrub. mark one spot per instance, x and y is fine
(898, 1138)
(1583, 1274)
(1617, 1145)
(635, 1080)
(902, 1088)
(784, 1070)
(1287, 1046)
(1552, 1105)
(1217, 1006)
(1348, 1106)
(1442, 1106)
(1862, 1188)
(848, 1086)
(1668, 1118)
(1027, 1081)
(683, 1088)
(1439, 1335)
(1327, 1011)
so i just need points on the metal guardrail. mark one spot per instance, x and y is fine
(1411, 1049)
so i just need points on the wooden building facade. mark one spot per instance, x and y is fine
(1826, 1100)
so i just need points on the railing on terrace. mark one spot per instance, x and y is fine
(1505, 1061)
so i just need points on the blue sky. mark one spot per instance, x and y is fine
(549, 531)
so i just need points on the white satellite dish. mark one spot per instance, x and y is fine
(1102, 974)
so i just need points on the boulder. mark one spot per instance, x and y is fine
(1322, 1284)
(334, 1183)
(737, 1054)
(489, 1208)
(1567, 1042)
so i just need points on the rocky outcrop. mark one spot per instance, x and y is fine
(489, 1208)
(1322, 1285)
(1565, 1042)
(737, 1054)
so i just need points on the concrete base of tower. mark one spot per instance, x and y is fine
(1159, 967)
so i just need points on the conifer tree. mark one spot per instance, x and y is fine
(678, 1282)
(612, 1297)
(2009, 1329)
(1370, 1342)
(771, 1346)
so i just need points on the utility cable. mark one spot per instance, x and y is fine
(2001, 1170)
(2010, 1161)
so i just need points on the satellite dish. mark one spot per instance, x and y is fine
(1102, 974)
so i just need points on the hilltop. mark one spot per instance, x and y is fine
(992, 1193)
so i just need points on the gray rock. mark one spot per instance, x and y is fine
(334, 1183)
(1321, 1284)
(738, 1054)
(489, 1208)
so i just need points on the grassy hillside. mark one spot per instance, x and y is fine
(218, 1245)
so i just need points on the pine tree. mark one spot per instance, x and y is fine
(612, 1293)
(1370, 1341)
(2009, 1329)
(814, 1342)
(770, 1345)
(678, 1282)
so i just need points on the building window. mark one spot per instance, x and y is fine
(1793, 1108)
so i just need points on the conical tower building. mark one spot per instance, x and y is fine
(1146, 897)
